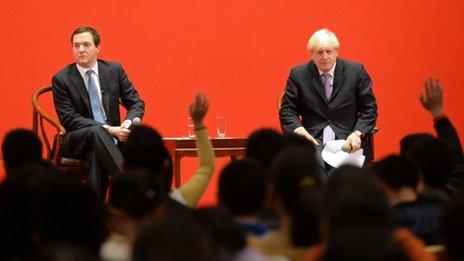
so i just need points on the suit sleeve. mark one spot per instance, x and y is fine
(65, 109)
(289, 111)
(130, 98)
(447, 133)
(366, 103)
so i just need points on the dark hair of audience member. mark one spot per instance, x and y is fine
(228, 238)
(68, 212)
(68, 252)
(453, 229)
(397, 172)
(364, 244)
(17, 199)
(242, 187)
(409, 140)
(136, 192)
(358, 214)
(145, 149)
(263, 145)
(296, 182)
(434, 160)
(20, 147)
(172, 240)
(350, 185)
(295, 140)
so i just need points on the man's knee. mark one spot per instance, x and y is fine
(97, 131)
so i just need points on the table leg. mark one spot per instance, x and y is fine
(177, 171)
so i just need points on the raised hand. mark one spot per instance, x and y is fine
(432, 97)
(198, 109)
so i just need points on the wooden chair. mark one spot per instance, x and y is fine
(368, 138)
(41, 118)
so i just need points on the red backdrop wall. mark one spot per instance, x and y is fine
(239, 53)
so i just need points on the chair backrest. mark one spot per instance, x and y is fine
(38, 127)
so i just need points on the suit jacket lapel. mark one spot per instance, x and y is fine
(79, 84)
(104, 85)
(339, 78)
(316, 82)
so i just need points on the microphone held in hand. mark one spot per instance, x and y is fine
(347, 147)
(135, 123)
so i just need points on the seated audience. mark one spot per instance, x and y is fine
(295, 182)
(359, 222)
(134, 202)
(20, 147)
(453, 230)
(68, 213)
(432, 101)
(263, 145)
(228, 238)
(420, 214)
(435, 163)
(173, 240)
(242, 190)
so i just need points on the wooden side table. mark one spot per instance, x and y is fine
(185, 147)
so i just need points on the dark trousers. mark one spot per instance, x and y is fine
(101, 155)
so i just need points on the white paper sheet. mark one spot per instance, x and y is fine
(335, 156)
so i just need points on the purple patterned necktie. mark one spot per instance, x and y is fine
(328, 133)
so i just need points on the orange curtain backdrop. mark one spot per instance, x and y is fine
(239, 53)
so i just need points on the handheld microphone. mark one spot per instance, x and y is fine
(135, 123)
(347, 147)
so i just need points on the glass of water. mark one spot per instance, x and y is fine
(221, 126)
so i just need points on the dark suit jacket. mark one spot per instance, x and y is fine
(352, 105)
(72, 102)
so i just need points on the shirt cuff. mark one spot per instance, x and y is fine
(298, 129)
(439, 117)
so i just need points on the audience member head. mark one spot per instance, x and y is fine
(354, 199)
(292, 139)
(296, 182)
(145, 149)
(409, 140)
(18, 193)
(453, 229)
(68, 252)
(172, 240)
(242, 187)
(20, 147)
(434, 160)
(358, 213)
(263, 145)
(68, 212)
(228, 238)
(397, 172)
(136, 193)
(363, 245)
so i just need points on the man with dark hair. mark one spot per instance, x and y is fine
(21, 147)
(400, 179)
(87, 95)
(435, 162)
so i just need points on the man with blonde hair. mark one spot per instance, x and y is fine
(329, 98)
